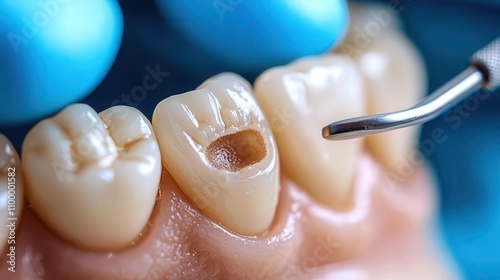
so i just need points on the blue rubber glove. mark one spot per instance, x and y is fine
(251, 36)
(52, 53)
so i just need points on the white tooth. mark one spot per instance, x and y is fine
(394, 76)
(367, 21)
(93, 178)
(298, 100)
(11, 195)
(217, 145)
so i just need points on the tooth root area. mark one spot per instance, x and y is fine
(236, 151)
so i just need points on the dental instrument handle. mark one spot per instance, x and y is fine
(483, 72)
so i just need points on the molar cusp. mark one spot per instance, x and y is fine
(77, 119)
(234, 152)
(125, 125)
(93, 146)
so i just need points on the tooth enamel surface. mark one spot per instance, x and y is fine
(11, 193)
(93, 178)
(217, 145)
(394, 77)
(298, 100)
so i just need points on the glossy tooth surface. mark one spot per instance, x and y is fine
(394, 76)
(218, 147)
(93, 178)
(298, 100)
(11, 194)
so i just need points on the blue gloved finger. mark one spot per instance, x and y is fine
(55, 52)
(250, 36)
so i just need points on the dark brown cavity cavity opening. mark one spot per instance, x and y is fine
(236, 151)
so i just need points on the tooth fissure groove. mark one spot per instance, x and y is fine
(236, 151)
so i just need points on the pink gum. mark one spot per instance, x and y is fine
(182, 243)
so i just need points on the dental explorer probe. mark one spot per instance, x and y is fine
(483, 72)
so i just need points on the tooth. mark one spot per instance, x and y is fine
(394, 76)
(11, 195)
(301, 98)
(217, 145)
(93, 178)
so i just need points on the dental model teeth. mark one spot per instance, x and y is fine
(394, 77)
(217, 145)
(11, 195)
(298, 100)
(92, 178)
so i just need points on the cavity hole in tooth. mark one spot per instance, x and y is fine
(236, 151)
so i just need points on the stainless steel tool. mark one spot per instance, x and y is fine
(483, 72)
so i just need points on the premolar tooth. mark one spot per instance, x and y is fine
(93, 178)
(11, 195)
(219, 148)
(395, 79)
(301, 98)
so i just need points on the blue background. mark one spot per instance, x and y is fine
(446, 32)
(468, 163)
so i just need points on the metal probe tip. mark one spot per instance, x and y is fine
(483, 72)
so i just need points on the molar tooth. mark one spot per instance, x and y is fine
(313, 92)
(93, 178)
(232, 173)
(11, 194)
(395, 79)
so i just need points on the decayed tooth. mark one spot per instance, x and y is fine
(11, 196)
(92, 178)
(298, 100)
(394, 77)
(218, 147)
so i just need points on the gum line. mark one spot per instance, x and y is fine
(182, 243)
